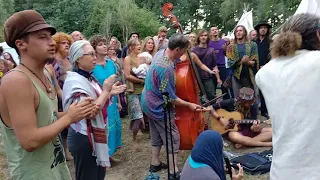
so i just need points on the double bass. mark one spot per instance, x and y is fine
(190, 123)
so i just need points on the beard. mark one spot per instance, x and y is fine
(64, 53)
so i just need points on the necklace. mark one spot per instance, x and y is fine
(49, 90)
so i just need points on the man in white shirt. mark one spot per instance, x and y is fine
(290, 85)
(161, 40)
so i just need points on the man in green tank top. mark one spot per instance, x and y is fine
(29, 120)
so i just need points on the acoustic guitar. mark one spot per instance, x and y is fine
(235, 118)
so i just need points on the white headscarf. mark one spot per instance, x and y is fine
(76, 51)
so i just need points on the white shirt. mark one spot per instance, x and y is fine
(141, 71)
(291, 88)
(164, 44)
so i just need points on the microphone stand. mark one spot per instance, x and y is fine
(167, 106)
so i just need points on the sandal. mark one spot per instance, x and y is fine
(161, 166)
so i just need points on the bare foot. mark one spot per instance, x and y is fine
(267, 144)
(130, 90)
(135, 145)
(238, 146)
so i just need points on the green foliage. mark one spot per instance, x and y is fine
(121, 17)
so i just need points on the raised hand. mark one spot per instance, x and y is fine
(78, 111)
(117, 89)
(108, 83)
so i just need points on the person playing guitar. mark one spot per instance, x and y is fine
(248, 134)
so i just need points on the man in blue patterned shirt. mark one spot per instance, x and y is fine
(161, 79)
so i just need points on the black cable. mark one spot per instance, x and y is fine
(166, 133)
(171, 139)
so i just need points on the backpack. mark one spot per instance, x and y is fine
(254, 163)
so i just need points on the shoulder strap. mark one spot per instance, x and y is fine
(204, 54)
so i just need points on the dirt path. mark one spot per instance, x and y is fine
(134, 165)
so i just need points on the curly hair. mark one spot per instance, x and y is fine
(96, 39)
(61, 36)
(299, 32)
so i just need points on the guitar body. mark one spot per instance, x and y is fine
(217, 126)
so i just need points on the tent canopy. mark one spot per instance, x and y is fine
(309, 6)
(10, 50)
(246, 20)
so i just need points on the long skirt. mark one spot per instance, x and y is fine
(114, 126)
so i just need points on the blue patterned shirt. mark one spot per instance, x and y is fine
(160, 78)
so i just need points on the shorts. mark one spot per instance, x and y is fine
(158, 134)
(247, 132)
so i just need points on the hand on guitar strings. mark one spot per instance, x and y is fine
(227, 123)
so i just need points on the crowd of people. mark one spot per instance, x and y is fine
(65, 99)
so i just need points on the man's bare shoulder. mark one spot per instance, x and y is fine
(15, 81)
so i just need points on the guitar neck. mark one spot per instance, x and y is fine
(246, 121)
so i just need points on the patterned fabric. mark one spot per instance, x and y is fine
(234, 59)
(61, 72)
(160, 78)
(76, 83)
(120, 77)
(152, 176)
(135, 111)
(102, 72)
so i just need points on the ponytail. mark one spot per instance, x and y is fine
(286, 44)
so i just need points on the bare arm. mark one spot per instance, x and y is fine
(21, 106)
(102, 99)
(196, 59)
(127, 69)
(217, 74)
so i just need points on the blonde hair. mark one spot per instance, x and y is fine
(299, 32)
(144, 44)
(147, 56)
(131, 44)
(163, 29)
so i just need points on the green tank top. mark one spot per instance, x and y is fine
(138, 87)
(47, 162)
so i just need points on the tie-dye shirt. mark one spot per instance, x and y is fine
(160, 79)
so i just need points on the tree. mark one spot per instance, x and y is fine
(6, 7)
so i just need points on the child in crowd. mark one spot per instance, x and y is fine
(141, 71)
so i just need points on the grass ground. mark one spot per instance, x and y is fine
(134, 163)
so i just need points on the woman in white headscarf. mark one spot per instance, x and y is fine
(87, 139)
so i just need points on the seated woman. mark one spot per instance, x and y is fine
(248, 134)
(206, 160)
(87, 139)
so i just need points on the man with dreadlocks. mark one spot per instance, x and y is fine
(248, 134)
